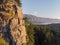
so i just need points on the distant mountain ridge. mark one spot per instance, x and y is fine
(40, 20)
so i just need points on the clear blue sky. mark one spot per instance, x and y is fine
(42, 8)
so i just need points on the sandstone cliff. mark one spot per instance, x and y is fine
(12, 26)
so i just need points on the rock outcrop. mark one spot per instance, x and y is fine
(12, 26)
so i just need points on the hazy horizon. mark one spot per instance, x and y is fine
(42, 8)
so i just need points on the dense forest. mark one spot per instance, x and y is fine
(41, 34)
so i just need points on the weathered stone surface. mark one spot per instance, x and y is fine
(12, 26)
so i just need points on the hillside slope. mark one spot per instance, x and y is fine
(41, 20)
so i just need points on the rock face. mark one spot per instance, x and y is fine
(11, 23)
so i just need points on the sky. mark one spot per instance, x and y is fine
(42, 8)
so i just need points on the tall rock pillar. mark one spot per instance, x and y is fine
(13, 26)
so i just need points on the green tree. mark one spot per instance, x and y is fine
(19, 2)
(3, 42)
(30, 31)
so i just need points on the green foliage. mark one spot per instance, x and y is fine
(31, 34)
(19, 2)
(48, 37)
(27, 21)
(2, 41)
(30, 31)
(38, 34)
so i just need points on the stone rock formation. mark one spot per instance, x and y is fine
(12, 26)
